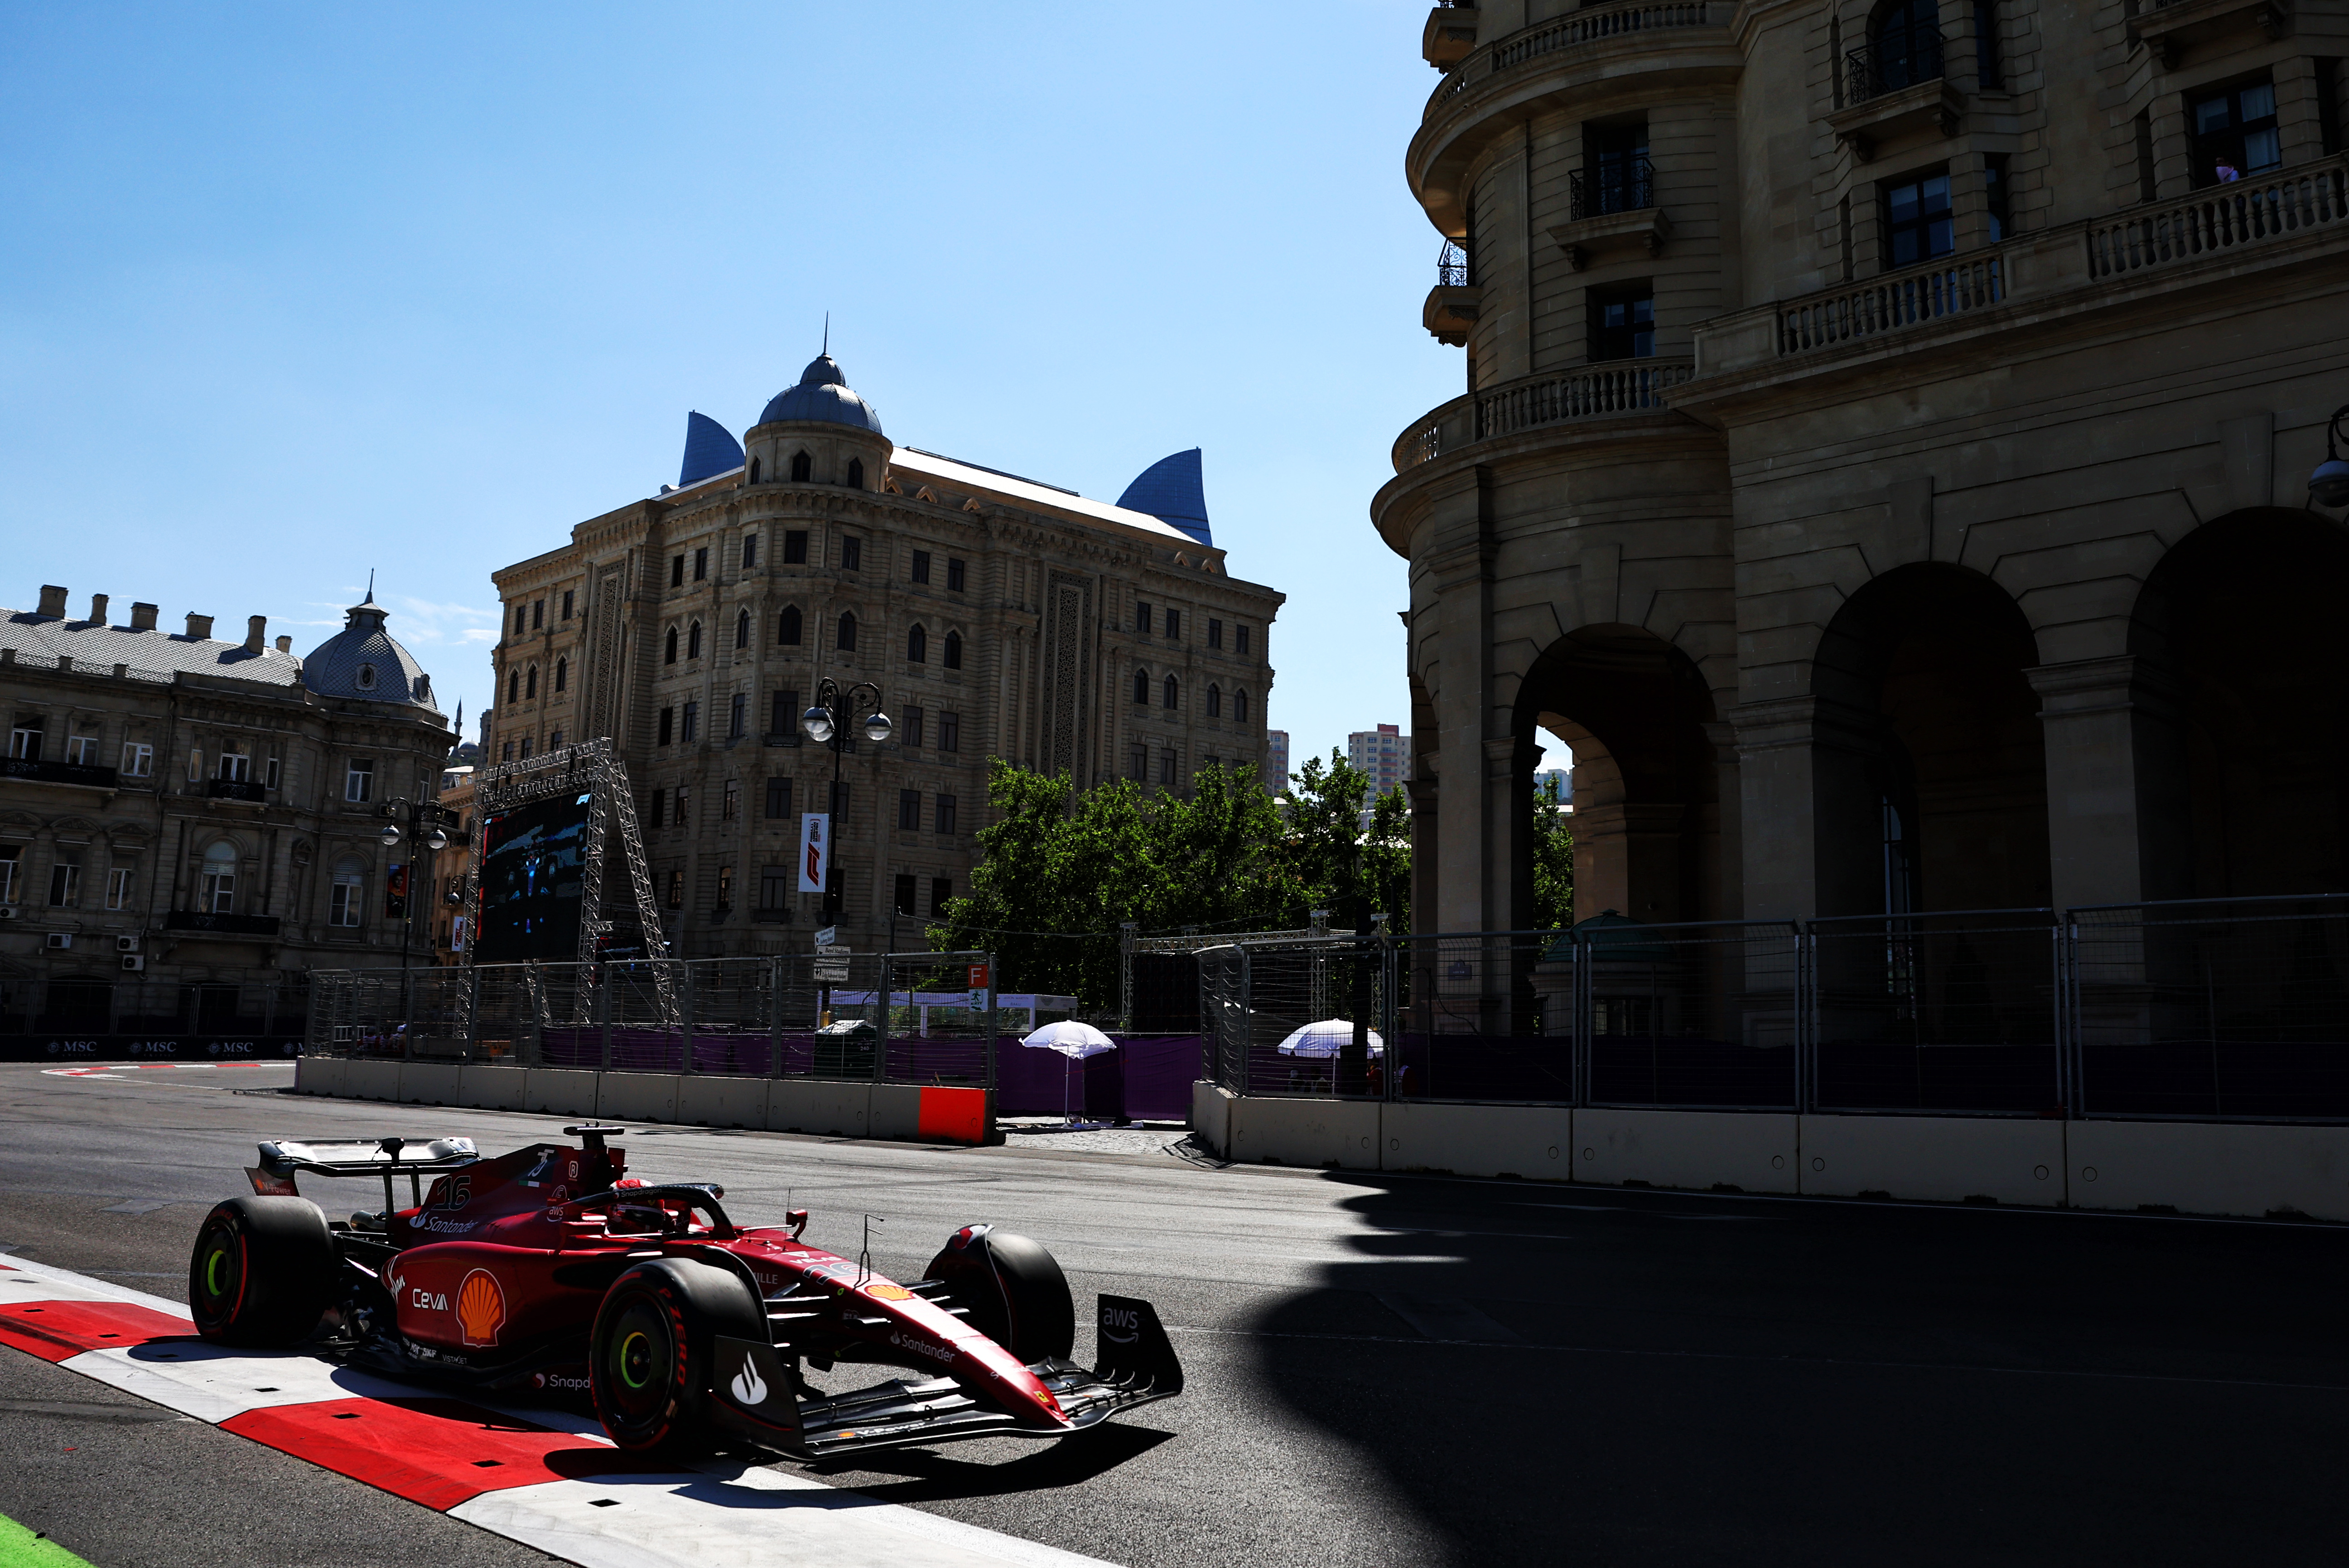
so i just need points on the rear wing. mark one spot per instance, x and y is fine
(386, 1158)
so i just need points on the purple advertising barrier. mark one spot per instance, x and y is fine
(1030, 1081)
(1159, 1069)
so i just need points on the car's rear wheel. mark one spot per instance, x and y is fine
(264, 1272)
(1012, 1290)
(654, 1351)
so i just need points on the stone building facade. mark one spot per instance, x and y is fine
(1884, 457)
(998, 616)
(187, 822)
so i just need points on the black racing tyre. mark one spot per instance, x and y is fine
(264, 1272)
(651, 1356)
(1012, 1290)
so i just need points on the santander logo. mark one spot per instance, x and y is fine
(749, 1388)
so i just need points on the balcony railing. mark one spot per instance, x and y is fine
(58, 773)
(1626, 186)
(1452, 267)
(235, 789)
(1949, 286)
(1624, 387)
(1873, 70)
(1590, 24)
(2221, 218)
(197, 920)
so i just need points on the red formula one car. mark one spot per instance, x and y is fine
(550, 1272)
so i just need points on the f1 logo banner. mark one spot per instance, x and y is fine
(815, 850)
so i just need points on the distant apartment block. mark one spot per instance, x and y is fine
(1559, 782)
(1275, 754)
(1384, 754)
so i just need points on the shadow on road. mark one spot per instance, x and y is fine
(1608, 1376)
(933, 1476)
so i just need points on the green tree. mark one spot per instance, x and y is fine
(1553, 859)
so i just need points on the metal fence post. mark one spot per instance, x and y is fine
(1248, 1017)
(881, 1032)
(775, 1016)
(1807, 1019)
(603, 988)
(1581, 1009)
(990, 1021)
(1388, 1008)
(1126, 931)
(684, 1016)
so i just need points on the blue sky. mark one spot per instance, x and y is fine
(289, 293)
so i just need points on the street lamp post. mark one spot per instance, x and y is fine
(2329, 485)
(429, 822)
(827, 722)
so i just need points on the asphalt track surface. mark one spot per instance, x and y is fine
(1381, 1369)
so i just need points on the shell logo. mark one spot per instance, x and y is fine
(480, 1307)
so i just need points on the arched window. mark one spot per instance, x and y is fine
(754, 470)
(220, 879)
(954, 650)
(847, 640)
(668, 648)
(513, 686)
(741, 629)
(563, 674)
(802, 466)
(917, 646)
(1214, 701)
(349, 900)
(1142, 688)
(693, 640)
(787, 627)
(1172, 693)
(1906, 35)
(1239, 706)
(529, 681)
(855, 473)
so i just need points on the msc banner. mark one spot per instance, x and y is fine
(815, 850)
(148, 1047)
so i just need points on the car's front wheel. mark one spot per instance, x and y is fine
(262, 1273)
(654, 1352)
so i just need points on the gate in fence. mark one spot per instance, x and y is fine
(2208, 1010)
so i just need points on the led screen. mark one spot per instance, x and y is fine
(532, 881)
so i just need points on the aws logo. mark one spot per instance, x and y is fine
(1123, 1325)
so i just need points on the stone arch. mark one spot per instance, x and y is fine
(1931, 763)
(1639, 716)
(2241, 710)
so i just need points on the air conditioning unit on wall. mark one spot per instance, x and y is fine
(126, 944)
(133, 962)
(59, 940)
(8, 912)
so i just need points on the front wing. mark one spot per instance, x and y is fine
(1137, 1366)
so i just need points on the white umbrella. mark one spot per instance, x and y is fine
(1071, 1039)
(1327, 1038)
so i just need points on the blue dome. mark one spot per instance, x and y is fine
(362, 662)
(822, 397)
(1172, 491)
(709, 449)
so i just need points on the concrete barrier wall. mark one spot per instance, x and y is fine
(1936, 1158)
(1754, 1151)
(1535, 1142)
(560, 1091)
(826, 1108)
(1306, 1132)
(2206, 1168)
(1210, 1116)
(371, 1080)
(320, 1075)
(722, 1102)
(637, 1098)
(491, 1088)
(896, 1112)
(427, 1084)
